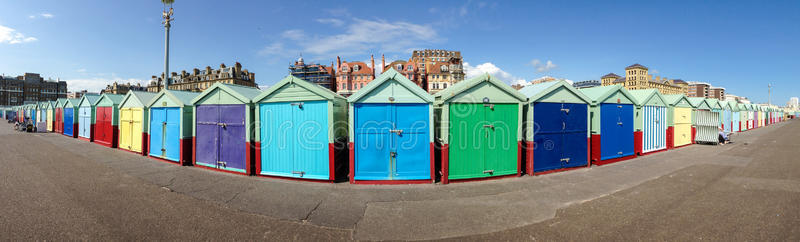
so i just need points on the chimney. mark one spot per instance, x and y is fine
(338, 63)
(221, 65)
(383, 63)
(372, 59)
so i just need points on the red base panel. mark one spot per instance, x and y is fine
(91, 133)
(391, 182)
(248, 157)
(145, 142)
(331, 159)
(609, 161)
(694, 132)
(115, 137)
(637, 142)
(529, 158)
(84, 139)
(103, 144)
(75, 130)
(670, 137)
(185, 152)
(221, 170)
(258, 158)
(595, 148)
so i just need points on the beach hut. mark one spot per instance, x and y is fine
(556, 121)
(170, 129)
(706, 122)
(391, 132)
(71, 117)
(42, 116)
(86, 115)
(479, 124)
(133, 121)
(716, 107)
(295, 108)
(750, 116)
(58, 115)
(650, 121)
(735, 117)
(106, 127)
(612, 123)
(223, 116)
(679, 117)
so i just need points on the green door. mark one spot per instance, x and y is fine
(482, 140)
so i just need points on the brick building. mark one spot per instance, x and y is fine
(30, 88)
(717, 93)
(698, 89)
(198, 80)
(315, 73)
(352, 76)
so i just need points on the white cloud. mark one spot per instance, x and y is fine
(543, 67)
(11, 36)
(46, 15)
(358, 36)
(81, 70)
(95, 84)
(492, 70)
(331, 21)
(294, 34)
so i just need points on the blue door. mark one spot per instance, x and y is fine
(560, 139)
(164, 133)
(294, 139)
(84, 122)
(392, 141)
(616, 131)
(69, 115)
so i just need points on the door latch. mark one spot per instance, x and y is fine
(393, 154)
(565, 160)
(301, 173)
(396, 131)
(491, 106)
(619, 153)
(222, 163)
(566, 110)
(298, 104)
(488, 126)
(619, 123)
(563, 125)
(488, 171)
(162, 150)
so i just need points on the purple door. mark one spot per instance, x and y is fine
(221, 137)
(207, 135)
(232, 137)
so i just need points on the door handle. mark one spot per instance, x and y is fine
(619, 153)
(488, 126)
(565, 160)
(488, 171)
(566, 110)
(563, 125)
(301, 173)
(298, 104)
(393, 154)
(619, 123)
(396, 131)
(491, 106)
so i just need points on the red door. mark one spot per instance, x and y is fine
(59, 121)
(103, 130)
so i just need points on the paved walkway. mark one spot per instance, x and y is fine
(67, 186)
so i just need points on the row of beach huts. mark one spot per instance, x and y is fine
(392, 131)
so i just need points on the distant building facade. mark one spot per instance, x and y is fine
(794, 103)
(637, 77)
(717, 93)
(586, 84)
(30, 88)
(319, 74)
(432, 69)
(352, 76)
(123, 89)
(698, 89)
(79, 94)
(198, 80)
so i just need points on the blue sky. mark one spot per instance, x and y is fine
(739, 45)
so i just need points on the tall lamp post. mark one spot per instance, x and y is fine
(769, 94)
(167, 15)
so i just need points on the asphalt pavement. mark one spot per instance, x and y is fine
(58, 188)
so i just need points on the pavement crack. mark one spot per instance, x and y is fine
(305, 219)
(235, 196)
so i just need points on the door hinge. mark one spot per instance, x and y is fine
(222, 163)
(301, 173)
(393, 154)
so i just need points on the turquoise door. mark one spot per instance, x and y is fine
(165, 133)
(392, 141)
(294, 139)
(85, 122)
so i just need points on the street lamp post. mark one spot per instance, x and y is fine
(167, 19)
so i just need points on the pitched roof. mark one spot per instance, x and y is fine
(536, 91)
(610, 75)
(644, 95)
(115, 98)
(243, 93)
(312, 87)
(619, 80)
(636, 66)
(598, 94)
(90, 98)
(181, 97)
(390, 74)
(143, 97)
(461, 86)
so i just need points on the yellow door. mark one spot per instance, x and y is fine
(50, 121)
(683, 126)
(136, 129)
(125, 128)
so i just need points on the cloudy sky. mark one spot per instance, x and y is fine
(742, 46)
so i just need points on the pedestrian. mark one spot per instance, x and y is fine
(723, 137)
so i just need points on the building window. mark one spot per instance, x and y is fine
(356, 67)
